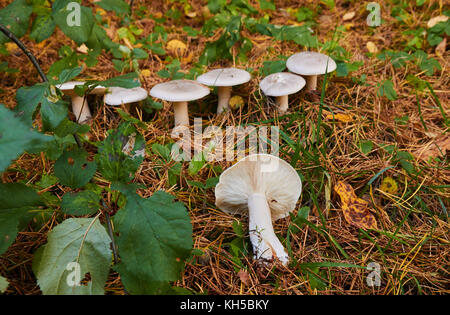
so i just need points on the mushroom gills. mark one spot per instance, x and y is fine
(266, 245)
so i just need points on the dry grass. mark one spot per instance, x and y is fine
(415, 260)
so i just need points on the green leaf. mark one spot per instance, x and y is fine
(76, 240)
(15, 17)
(15, 212)
(128, 81)
(386, 88)
(118, 6)
(16, 137)
(74, 20)
(53, 113)
(267, 5)
(365, 146)
(270, 67)
(73, 169)
(3, 284)
(80, 203)
(43, 26)
(28, 98)
(154, 237)
(121, 153)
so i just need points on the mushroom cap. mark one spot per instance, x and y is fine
(259, 173)
(224, 77)
(310, 63)
(118, 95)
(179, 91)
(281, 83)
(69, 87)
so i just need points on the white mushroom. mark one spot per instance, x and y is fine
(310, 65)
(267, 188)
(80, 107)
(118, 96)
(179, 92)
(280, 85)
(224, 79)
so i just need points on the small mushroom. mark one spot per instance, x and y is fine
(80, 107)
(224, 79)
(267, 188)
(179, 92)
(118, 96)
(280, 85)
(310, 64)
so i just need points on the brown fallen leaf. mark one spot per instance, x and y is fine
(371, 47)
(354, 208)
(437, 19)
(434, 148)
(348, 16)
(244, 276)
(440, 49)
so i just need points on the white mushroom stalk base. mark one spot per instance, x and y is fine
(80, 109)
(224, 95)
(181, 114)
(311, 82)
(266, 245)
(282, 103)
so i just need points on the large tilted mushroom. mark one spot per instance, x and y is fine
(281, 85)
(309, 65)
(180, 92)
(224, 79)
(80, 106)
(118, 96)
(267, 188)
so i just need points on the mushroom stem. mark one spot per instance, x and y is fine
(265, 243)
(181, 114)
(224, 94)
(311, 82)
(283, 104)
(80, 109)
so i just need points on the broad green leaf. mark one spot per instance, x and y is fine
(74, 20)
(76, 240)
(118, 6)
(121, 153)
(15, 17)
(154, 237)
(267, 5)
(16, 137)
(274, 66)
(28, 98)
(365, 146)
(43, 26)
(73, 169)
(386, 88)
(3, 284)
(128, 81)
(16, 203)
(53, 112)
(80, 203)
(69, 74)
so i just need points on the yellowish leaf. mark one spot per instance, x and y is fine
(440, 49)
(371, 47)
(433, 21)
(236, 101)
(434, 149)
(354, 208)
(176, 46)
(340, 117)
(348, 16)
(11, 47)
(389, 185)
(146, 73)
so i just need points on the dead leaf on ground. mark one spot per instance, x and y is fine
(437, 19)
(434, 149)
(440, 49)
(371, 47)
(348, 16)
(346, 118)
(176, 46)
(244, 276)
(354, 208)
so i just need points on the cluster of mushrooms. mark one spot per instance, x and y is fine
(260, 185)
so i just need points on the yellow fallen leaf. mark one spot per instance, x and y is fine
(348, 26)
(371, 47)
(348, 16)
(440, 49)
(176, 46)
(11, 47)
(433, 21)
(354, 208)
(100, 11)
(146, 73)
(389, 185)
(236, 101)
(188, 58)
(340, 117)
